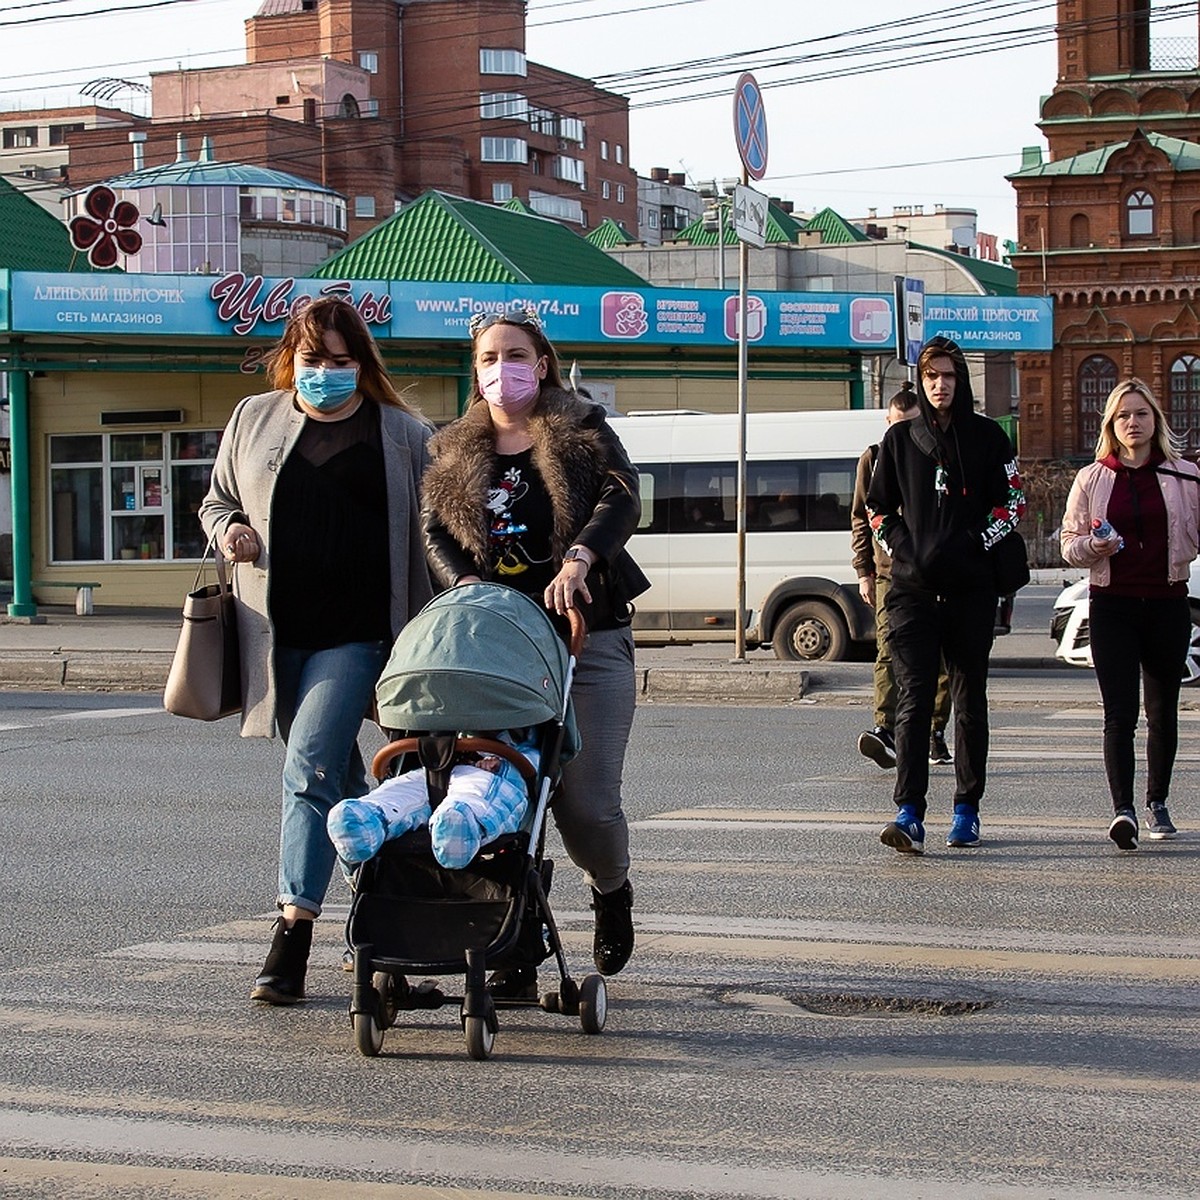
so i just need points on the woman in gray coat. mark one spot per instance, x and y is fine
(314, 493)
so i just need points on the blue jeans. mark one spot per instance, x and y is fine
(321, 698)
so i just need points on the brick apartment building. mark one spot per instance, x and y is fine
(1109, 226)
(381, 100)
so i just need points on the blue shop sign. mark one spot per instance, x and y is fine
(251, 306)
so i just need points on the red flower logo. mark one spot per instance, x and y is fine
(108, 229)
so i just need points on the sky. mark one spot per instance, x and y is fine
(869, 104)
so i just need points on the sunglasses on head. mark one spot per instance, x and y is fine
(517, 316)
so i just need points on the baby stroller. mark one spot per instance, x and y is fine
(478, 657)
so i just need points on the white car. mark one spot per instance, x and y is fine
(1069, 627)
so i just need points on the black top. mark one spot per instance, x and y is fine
(520, 525)
(330, 578)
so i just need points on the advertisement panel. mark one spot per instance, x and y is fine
(246, 306)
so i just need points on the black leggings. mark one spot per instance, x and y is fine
(1130, 635)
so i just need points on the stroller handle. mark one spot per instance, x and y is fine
(464, 745)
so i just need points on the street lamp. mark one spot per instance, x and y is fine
(716, 218)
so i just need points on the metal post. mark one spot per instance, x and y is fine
(743, 375)
(22, 547)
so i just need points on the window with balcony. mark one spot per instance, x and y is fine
(560, 207)
(570, 128)
(501, 62)
(21, 138)
(1139, 214)
(569, 170)
(61, 134)
(501, 149)
(497, 105)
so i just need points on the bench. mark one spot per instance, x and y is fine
(83, 593)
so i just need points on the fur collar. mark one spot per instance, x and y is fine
(567, 452)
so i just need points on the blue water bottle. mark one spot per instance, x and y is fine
(1103, 530)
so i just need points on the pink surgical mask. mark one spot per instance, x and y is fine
(510, 387)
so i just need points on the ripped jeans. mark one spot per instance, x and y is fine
(321, 698)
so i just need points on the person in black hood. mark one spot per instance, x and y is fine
(945, 491)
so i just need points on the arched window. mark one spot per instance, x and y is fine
(349, 106)
(1185, 399)
(1139, 213)
(1081, 234)
(1097, 377)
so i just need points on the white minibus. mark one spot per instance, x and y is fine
(801, 591)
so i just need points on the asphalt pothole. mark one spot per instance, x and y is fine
(866, 1004)
(858, 1004)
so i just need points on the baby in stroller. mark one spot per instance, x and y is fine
(485, 798)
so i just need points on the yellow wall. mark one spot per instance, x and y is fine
(71, 403)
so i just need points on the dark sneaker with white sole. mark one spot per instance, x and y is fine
(1124, 829)
(1158, 823)
(939, 752)
(877, 745)
(612, 943)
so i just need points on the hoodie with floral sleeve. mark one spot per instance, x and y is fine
(940, 500)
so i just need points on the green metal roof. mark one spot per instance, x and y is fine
(30, 237)
(995, 278)
(517, 205)
(1184, 156)
(834, 229)
(448, 239)
(781, 227)
(610, 233)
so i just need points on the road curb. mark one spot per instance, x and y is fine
(734, 682)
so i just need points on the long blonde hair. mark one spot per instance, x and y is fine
(1168, 443)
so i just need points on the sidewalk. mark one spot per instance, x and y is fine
(130, 650)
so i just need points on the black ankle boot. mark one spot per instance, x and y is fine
(282, 977)
(613, 943)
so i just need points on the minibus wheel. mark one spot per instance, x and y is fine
(810, 631)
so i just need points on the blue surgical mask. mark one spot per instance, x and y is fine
(326, 388)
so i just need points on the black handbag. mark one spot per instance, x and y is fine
(205, 681)
(1010, 564)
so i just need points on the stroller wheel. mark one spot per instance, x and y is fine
(593, 1003)
(480, 1037)
(392, 990)
(368, 1035)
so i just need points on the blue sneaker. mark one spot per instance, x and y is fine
(964, 829)
(905, 833)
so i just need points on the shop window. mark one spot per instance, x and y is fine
(1139, 214)
(129, 496)
(1185, 400)
(1097, 377)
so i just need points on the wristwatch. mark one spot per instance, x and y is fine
(575, 553)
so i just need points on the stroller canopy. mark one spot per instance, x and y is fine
(477, 657)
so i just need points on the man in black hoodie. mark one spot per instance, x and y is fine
(944, 492)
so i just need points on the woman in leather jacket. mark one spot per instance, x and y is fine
(531, 488)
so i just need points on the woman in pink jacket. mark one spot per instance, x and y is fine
(1132, 517)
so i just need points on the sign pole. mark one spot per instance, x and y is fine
(743, 388)
(750, 133)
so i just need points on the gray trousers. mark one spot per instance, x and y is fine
(588, 809)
